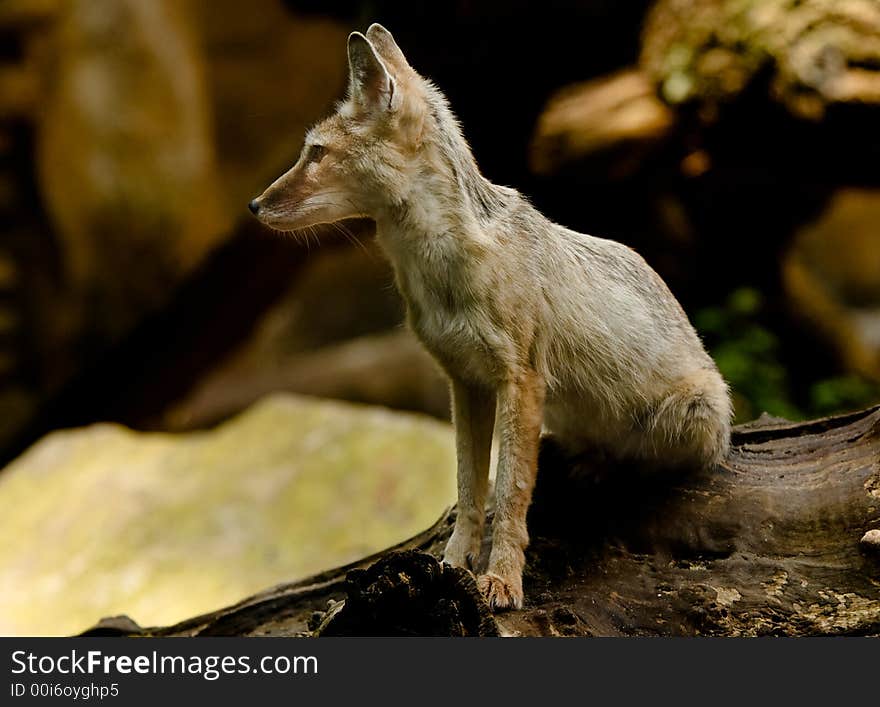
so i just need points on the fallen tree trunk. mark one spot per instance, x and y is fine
(781, 539)
(809, 56)
(729, 82)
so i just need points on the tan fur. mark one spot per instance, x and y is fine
(536, 325)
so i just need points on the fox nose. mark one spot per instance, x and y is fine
(254, 206)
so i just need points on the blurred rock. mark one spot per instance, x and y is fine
(832, 278)
(153, 124)
(271, 74)
(102, 520)
(125, 157)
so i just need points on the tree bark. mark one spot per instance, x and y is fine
(783, 538)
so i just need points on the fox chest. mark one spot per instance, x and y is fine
(454, 329)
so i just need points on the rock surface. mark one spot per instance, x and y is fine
(104, 520)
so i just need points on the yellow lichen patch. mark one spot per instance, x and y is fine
(103, 520)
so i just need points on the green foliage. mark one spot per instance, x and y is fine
(843, 393)
(748, 355)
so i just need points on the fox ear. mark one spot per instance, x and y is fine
(384, 44)
(370, 85)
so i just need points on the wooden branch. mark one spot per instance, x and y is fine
(781, 539)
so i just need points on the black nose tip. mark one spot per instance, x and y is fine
(254, 206)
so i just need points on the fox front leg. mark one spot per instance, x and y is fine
(473, 414)
(520, 413)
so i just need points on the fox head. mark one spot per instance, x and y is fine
(367, 156)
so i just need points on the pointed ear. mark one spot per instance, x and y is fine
(369, 83)
(384, 44)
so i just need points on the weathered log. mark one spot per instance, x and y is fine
(780, 539)
(810, 54)
(805, 71)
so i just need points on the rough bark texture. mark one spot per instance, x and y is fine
(781, 539)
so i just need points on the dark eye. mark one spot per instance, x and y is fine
(314, 153)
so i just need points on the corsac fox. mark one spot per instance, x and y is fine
(534, 324)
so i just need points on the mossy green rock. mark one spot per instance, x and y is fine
(103, 520)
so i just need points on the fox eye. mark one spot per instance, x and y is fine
(314, 153)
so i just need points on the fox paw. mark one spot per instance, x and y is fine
(462, 551)
(499, 593)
